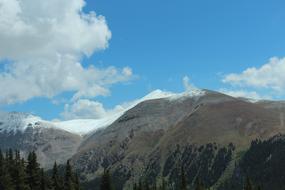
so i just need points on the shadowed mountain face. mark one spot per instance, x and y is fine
(263, 162)
(158, 136)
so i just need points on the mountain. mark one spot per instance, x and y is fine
(203, 132)
(26, 133)
(207, 133)
(57, 140)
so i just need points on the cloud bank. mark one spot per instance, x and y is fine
(42, 44)
(244, 94)
(264, 82)
(270, 76)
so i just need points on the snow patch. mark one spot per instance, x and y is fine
(85, 126)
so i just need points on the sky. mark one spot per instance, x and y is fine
(74, 59)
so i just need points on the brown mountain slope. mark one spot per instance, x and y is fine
(233, 121)
(158, 132)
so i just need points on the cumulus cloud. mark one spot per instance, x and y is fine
(25, 81)
(44, 42)
(84, 109)
(244, 94)
(30, 28)
(270, 76)
(89, 109)
(188, 86)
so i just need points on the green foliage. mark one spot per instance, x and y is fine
(264, 163)
(70, 181)
(106, 183)
(199, 185)
(16, 173)
(163, 185)
(183, 180)
(33, 172)
(56, 179)
(43, 180)
(248, 184)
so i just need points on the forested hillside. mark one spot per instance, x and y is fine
(17, 173)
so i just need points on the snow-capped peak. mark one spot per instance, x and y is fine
(21, 121)
(159, 94)
(15, 121)
(85, 126)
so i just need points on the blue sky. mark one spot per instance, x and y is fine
(162, 41)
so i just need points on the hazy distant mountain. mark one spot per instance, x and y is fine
(27, 133)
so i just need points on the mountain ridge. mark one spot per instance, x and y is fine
(152, 136)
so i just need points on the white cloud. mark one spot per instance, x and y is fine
(186, 83)
(23, 81)
(127, 71)
(89, 109)
(244, 94)
(44, 42)
(270, 76)
(190, 88)
(84, 109)
(31, 28)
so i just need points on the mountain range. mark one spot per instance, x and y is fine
(205, 132)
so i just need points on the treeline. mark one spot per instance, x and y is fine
(107, 184)
(17, 173)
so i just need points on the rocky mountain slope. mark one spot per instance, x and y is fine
(156, 137)
(29, 133)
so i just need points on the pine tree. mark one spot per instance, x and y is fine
(140, 187)
(56, 181)
(10, 162)
(199, 185)
(183, 180)
(154, 187)
(19, 173)
(248, 184)
(68, 178)
(33, 172)
(106, 181)
(43, 180)
(76, 182)
(6, 179)
(1, 168)
(146, 185)
(163, 185)
(1, 163)
(135, 186)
